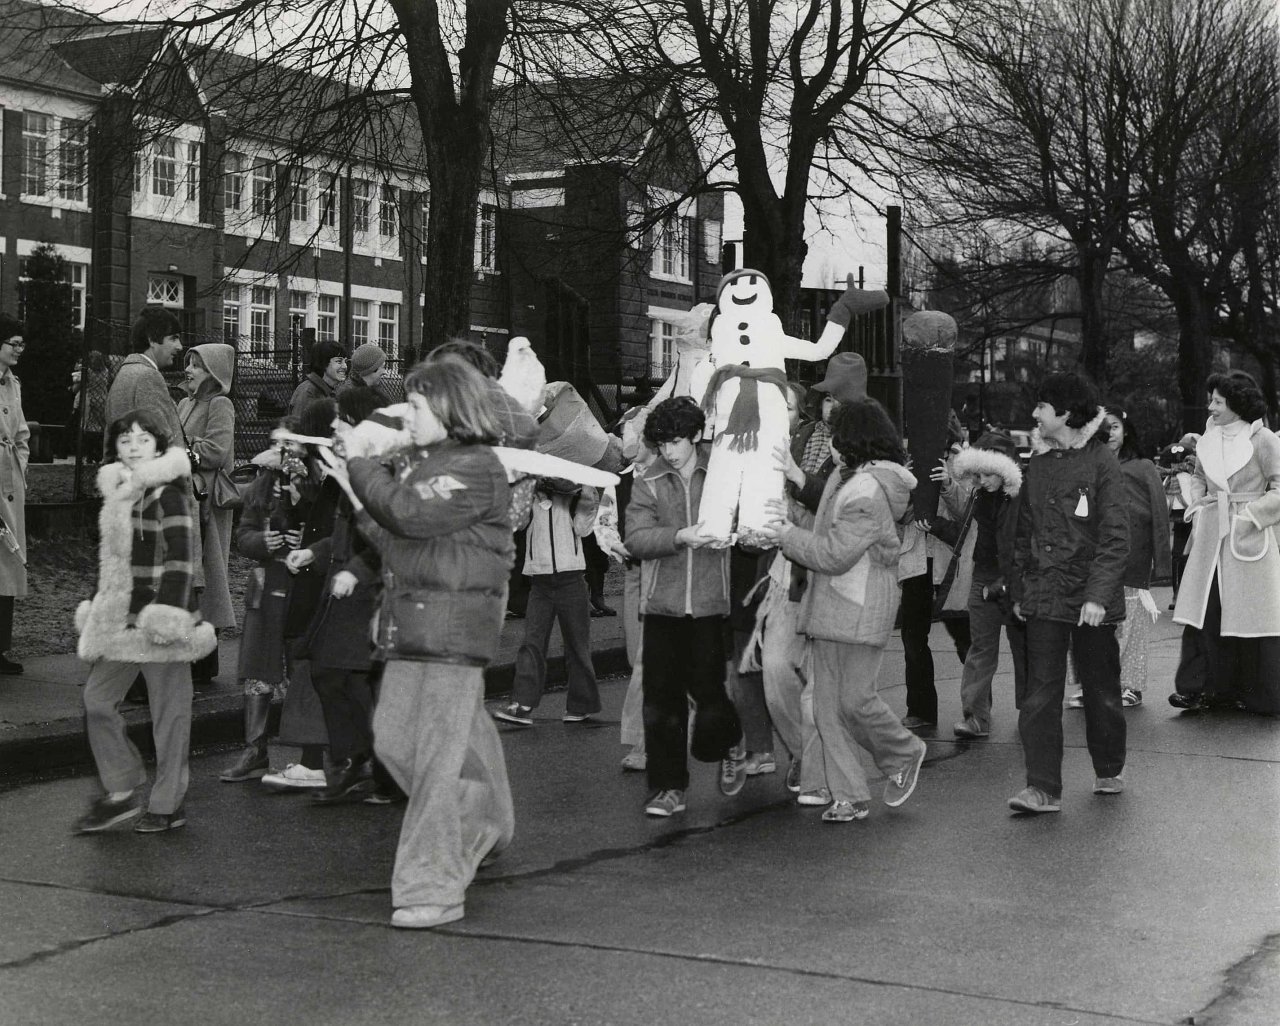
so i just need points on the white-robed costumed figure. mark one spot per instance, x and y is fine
(1229, 597)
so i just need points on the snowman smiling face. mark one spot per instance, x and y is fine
(749, 290)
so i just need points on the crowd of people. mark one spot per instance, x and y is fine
(381, 579)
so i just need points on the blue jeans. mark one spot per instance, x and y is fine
(553, 597)
(985, 620)
(1040, 675)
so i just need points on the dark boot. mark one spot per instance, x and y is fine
(204, 670)
(253, 762)
(350, 780)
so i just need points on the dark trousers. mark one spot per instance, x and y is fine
(553, 597)
(683, 659)
(1223, 668)
(597, 567)
(517, 582)
(347, 702)
(917, 618)
(6, 623)
(1039, 649)
(1181, 535)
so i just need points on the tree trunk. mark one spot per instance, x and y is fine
(1194, 356)
(1094, 340)
(450, 271)
(773, 243)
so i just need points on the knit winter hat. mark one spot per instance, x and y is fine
(998, 441)
(367, 359)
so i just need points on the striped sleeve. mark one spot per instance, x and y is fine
(177, 527)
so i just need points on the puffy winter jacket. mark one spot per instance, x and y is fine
(1072, 538)
(440, 525)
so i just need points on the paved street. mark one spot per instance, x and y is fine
(1151, 907)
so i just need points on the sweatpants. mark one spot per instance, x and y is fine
(432, 733)
(120, 767)
(850, 713)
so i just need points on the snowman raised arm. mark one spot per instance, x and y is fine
(742, 387)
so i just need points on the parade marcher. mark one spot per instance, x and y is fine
(1149, 556)
(993, 462)
(367, 368)
(748, 572)
(142, 618)
(561, 516)
(439, 520)
(326, 370)
(848, 610)
(269, 528)
(1067, 587)
(1229, 601)
(208, 419)
(138, 384)
(684, 605)
(15, 438)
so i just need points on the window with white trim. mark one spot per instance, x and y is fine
(191, 170)
(487, 239)
(301, 196)
(231, 314)
(389, 328)
(712, 241)
(359, 322)
(55, 157)
(388, 213)
(662, 348)
(326, 318)
(329, 199)
(262, 318)
(299, 304)
(635, 225)
(361, 205)
(76, 275)
(262, 189)
(164, 290)
(424, 214)
(233, 182)
(164, 168)
(671, 248)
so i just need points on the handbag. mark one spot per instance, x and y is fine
(224, 493)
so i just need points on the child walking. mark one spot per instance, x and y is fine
(438, 518)
(142, 618)
(848, 610)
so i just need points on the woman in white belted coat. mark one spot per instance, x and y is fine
(1229, 598)
(14, 449)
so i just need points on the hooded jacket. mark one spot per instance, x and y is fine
(1071, 544)
(208, 418)
(144, 608)
(991, 510)
(853, 551)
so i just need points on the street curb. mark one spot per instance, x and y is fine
(62, 746)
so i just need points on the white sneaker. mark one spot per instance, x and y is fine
(294, 776)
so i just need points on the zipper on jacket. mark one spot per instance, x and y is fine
(688, 515)
(551, 536)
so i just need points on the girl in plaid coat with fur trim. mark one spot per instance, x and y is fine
(142, 617)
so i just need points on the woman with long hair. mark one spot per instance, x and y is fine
(437, 515)
(848, 611)
(208, 419)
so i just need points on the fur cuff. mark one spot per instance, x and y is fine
(82, 615)
(987, 461)
(166, 625)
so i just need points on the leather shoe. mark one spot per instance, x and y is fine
(351, 780)
(1180, 701)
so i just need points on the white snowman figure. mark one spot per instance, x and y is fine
(742, 385)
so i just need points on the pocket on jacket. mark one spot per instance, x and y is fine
(463, 624)
(1248, 544)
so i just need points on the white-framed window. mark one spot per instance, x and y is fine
(164, 290)
(671, 249)
(326, 318)
(424, 214)
(36, 130)
(361, 205)
(388, 213)
(712, 241)
(233, 183)
(262, 189)
(330, 193)
(662, 348)
(635, 225)
(301, 196)
(487, 239)
(55, 157)
(299, 309)
(359, 322)
(191, 170)
(389, 328)
(231, 315)
(262, 320)
(76, 276)
(139, 173)
(164, 168)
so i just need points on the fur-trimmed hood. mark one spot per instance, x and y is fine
(162, 633)
(1039, 445)
(988, 461)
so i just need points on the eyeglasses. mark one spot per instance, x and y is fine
(15, 343)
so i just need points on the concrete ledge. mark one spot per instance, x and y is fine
(61, 746)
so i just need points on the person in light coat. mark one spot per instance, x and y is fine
(1229, 598)
(14, 450)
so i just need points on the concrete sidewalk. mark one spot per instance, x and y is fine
(42, 718)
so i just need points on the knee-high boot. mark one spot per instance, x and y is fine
(253, 762)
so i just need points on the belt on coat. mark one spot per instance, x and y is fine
(1225, 500)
